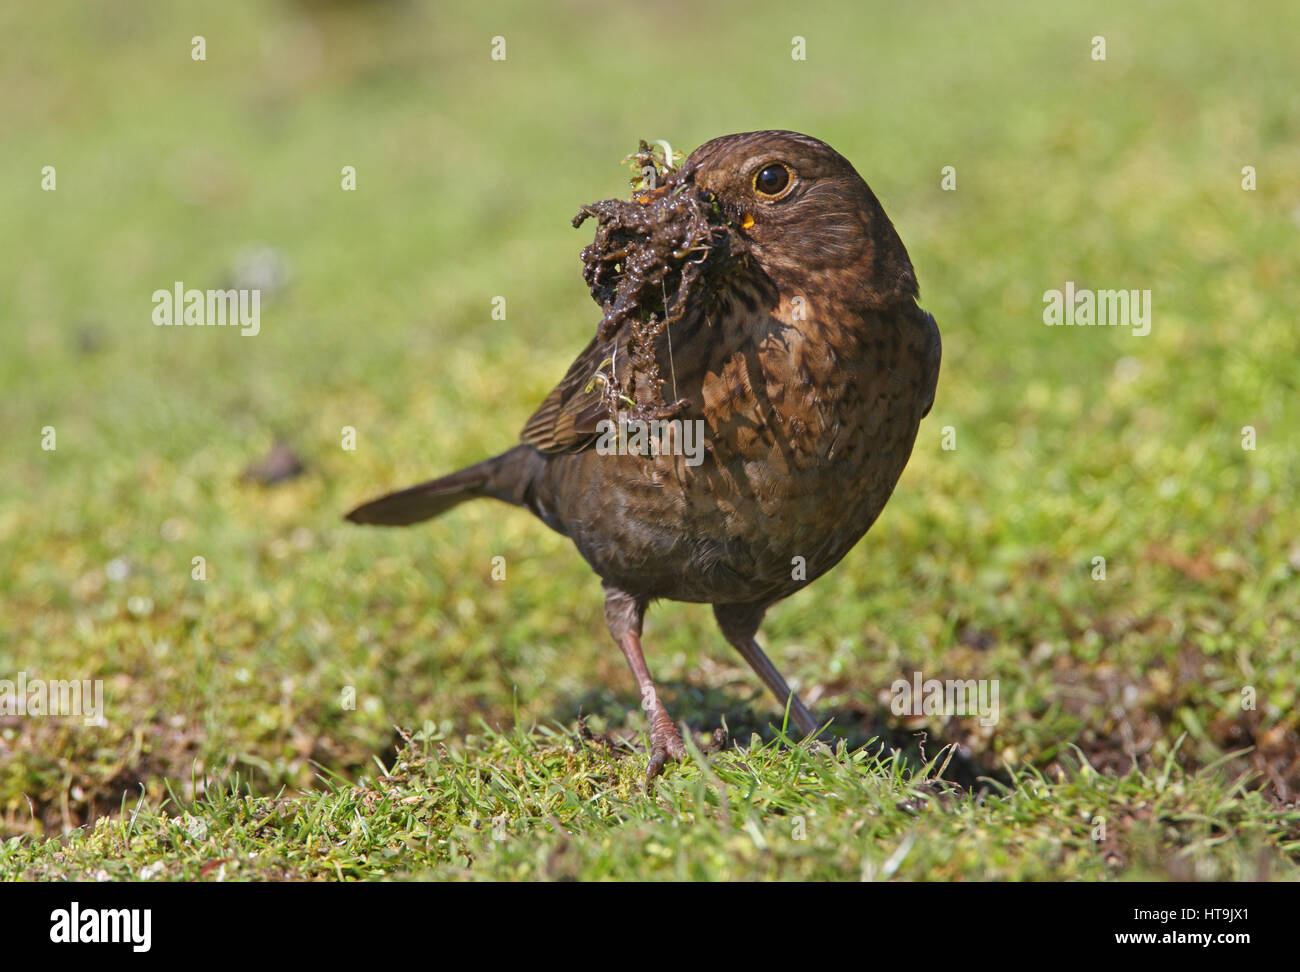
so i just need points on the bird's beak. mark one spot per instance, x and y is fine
(646, 198)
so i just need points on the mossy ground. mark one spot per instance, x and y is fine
(231, 749)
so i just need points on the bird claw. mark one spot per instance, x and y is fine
(617, 747)
(658, 758)
(717, 741)
(665, 745)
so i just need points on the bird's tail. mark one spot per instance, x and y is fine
(508, 477)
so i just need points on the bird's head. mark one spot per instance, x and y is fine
(802, 210)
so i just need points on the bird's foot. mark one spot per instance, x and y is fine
(666, 743)
(615, 745)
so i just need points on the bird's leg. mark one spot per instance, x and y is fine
(739, 624)
(623, 615)
(762, 665)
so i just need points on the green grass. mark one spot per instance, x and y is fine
(543, 805)
(225, 698)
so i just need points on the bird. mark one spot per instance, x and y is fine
(802, 355)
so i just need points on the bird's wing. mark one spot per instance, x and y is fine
(934, 353)
(567, 420)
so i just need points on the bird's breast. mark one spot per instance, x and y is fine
(806, 421)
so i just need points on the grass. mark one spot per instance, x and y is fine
(233, 747)
(544, 805)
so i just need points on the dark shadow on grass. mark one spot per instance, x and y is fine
(705, 709)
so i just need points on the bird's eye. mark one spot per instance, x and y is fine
(772, 179)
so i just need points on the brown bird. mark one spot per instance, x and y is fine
(800, 353)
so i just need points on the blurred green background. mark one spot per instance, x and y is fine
(1071, 443)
